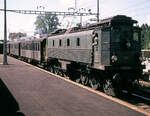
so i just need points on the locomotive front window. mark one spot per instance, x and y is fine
(121, 37)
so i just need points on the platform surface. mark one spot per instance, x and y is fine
(41, 94)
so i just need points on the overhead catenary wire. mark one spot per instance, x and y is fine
(132, 6)
(36, 12)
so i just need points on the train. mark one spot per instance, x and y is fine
(104, 55)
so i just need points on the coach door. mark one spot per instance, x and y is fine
(19, 47)
(43, 50)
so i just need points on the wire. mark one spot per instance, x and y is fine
(89, 5)
(143, 13)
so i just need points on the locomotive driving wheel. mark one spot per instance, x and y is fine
(77, 77)
(84, 79)
(94, 83)
(56, 71)
(108, 87)
(78, 80)
(50, 68)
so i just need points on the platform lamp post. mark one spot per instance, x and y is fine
(5, 37)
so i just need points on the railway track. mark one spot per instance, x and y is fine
(138, 100)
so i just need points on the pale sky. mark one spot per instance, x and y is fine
(137, 9)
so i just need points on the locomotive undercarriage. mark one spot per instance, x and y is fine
(112, 82)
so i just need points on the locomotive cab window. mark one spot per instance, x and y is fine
(78, 42)
(68, 42)
(60, 42)
(53, 43)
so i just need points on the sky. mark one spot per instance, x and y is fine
(137, 9)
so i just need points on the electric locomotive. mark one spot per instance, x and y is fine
(104, 55)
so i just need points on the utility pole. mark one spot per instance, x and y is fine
(97, 10)
(75, 5)
(80, 11)
(5, 37)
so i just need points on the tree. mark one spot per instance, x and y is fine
(18, 35)
(46, 23)
(145, 36)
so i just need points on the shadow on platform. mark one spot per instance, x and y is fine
(8, 104)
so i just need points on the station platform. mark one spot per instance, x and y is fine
(41, 94)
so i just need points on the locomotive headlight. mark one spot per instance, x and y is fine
(128, 44)
(114, 58)
(140, 58)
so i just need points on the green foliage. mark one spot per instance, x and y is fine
(145, 36)
(46, 23)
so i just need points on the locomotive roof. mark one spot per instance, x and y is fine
(118, 18)
(111, 20)
(79, 33)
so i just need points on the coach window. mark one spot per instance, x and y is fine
(38, 47)
(24, 46)
(27, 46)
(53, 43)
(68, 42)
(31, 46)
(60, 42)
(34, 46)
(78, 42)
